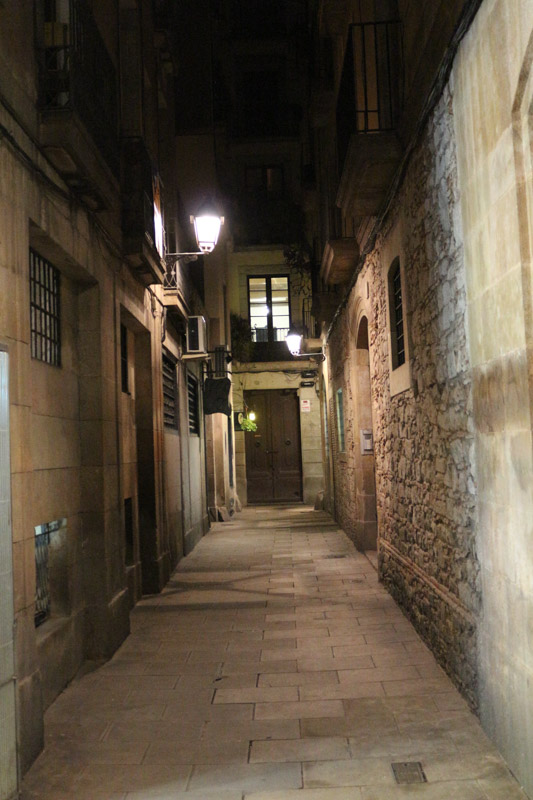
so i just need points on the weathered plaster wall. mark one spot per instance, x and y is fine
(492, 109)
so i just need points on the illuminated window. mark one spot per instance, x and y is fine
(269, 307)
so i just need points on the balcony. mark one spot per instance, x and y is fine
(141, 213)
(78, 105)
(368, 111)
(339, 260)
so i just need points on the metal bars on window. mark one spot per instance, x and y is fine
(45, 319)
(396, 307)
(124, 371)
(370, 92)
(193, 405)
(42, 578)
(376, 53)
(170, 392)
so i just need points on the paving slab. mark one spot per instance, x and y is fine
(267, 669)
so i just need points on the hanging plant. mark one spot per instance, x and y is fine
(248, 425)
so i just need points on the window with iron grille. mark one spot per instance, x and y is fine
(129, 531)
(45, 317)
(340, 421)
(124, 359)
(193, 405)
(170, 392)
(43, 536)
(396, 315)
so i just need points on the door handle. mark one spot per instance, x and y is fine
(270, 451)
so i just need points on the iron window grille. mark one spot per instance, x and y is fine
(396, 314)
(45, 310)
(124, 359)
(193, 405)
(43, 534)
(340, 420)
(170, 392)
(129, 532)
(370, 91)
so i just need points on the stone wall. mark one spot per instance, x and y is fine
(493, 114)
(425, 471)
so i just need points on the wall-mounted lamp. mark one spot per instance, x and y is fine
(295, 341)
(207, 223)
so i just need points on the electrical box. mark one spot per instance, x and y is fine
(196, 335)
(367, 442)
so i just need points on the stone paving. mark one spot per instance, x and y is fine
(272, 667)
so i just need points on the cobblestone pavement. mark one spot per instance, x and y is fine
(272, 667)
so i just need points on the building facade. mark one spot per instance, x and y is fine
(104, 463)
(422, 120)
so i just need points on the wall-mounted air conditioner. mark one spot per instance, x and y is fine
(196, 335)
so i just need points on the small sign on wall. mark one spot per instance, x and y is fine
(305, 406)
(367, 442)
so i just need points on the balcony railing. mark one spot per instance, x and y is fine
(260, 335)
(76, 74)
(369, 99)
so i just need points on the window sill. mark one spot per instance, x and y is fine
(400, 379)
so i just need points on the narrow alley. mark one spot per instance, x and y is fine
(273, 666)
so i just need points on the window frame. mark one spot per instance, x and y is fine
(399, 374)
(268, 287)
(45, 307)
(263, 189)
(397, 315)
(124, 363)
(168, 359)
(193, 411)
(341, 430)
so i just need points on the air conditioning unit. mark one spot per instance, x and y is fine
(196, 335)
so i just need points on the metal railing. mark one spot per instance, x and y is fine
(370, 91)
(261, 335)
(76, 73)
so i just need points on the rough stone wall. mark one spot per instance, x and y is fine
(425, 472)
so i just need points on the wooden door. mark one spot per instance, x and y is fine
(273, 453)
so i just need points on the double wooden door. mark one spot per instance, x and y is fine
(273, 452)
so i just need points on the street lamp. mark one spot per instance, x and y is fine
(294, 342)
(207, 223)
